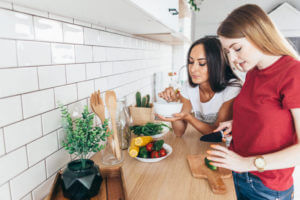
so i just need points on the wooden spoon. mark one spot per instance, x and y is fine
(111, 103)
(98, 108)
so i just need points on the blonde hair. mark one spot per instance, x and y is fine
(252, 22)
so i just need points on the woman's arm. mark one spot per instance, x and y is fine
(224, 114)
(180, 120)
(278, 160)
(179, 126)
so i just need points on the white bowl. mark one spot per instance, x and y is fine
(167, 109)
(168, 149)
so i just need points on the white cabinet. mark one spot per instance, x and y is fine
(138, 17)
(164, 11)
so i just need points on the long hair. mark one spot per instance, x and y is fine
(219, 72)
(252, 22)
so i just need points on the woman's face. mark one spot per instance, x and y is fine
(243, 54)
(198, 65)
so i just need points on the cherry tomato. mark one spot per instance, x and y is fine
(162, 152)
(149, 146)
(154, 154)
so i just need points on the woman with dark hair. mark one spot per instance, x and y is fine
(209, 92)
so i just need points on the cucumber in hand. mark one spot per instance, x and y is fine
(207, 163)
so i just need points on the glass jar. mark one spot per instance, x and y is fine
(123, 123)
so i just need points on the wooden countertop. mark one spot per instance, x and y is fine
(171, 178)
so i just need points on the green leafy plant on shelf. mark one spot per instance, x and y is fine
(82, 137)
(195, 4)
(142, 102)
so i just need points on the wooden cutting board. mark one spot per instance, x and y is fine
(200, 170)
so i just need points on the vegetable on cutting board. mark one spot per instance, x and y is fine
(207, 163)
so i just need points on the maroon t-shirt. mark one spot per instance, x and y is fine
(262, 121)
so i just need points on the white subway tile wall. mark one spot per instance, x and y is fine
(8, 53)
(51, 121)
(11, 110)
(17, 186)
(2, 148)
(73, 33)
(47, 30)
(56, 161)
(37, 102)
(39, 149)
(4, 191)
(12, 164)
(33, 53)
(30, 11)
(60, 18)
(48, 59)
(17, 81)
(42, 190)
(92, 70)
(23, 132)
(4, 4)
(75, 73)
(51, 76)
(27, 197)
(16, 25)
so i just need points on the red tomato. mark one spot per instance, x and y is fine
(154, 154)
(162, 152)
(149, 146)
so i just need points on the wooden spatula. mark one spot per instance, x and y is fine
(98, 108)
(111, 103)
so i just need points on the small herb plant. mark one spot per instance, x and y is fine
(142, 102)
(82, 137)
(195, 4)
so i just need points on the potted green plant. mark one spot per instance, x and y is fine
(82, 179)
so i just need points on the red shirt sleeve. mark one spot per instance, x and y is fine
(290, 87)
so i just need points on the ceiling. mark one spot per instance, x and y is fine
(212, 12)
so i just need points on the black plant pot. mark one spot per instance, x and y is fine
(81, 184)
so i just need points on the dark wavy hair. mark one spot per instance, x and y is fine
(219, 72)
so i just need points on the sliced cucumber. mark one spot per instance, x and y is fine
(207, 163)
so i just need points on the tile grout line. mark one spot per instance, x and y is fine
(22, 109)
(73, 43)
(17, 56)
(9, 187)
(4, 143)
(105, 76)
(95, 61)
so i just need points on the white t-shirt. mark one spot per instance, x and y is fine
(208, 111)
